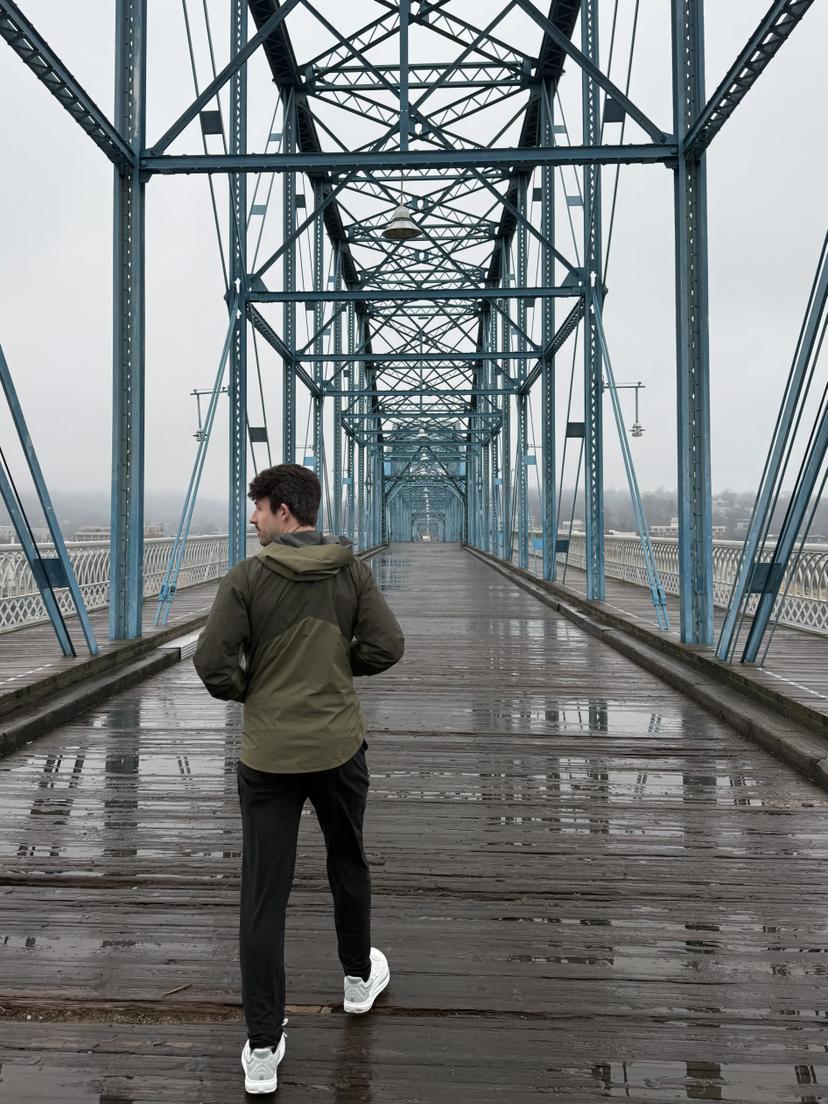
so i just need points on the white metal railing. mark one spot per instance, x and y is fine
(805, 606)
(205, 558)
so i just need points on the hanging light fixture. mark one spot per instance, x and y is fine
(402, 227)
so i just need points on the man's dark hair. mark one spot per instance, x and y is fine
(291, 484)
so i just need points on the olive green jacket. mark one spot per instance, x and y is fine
(288, 630)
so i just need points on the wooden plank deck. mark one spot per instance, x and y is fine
(32, 655)
(586, 886)
(797, 661)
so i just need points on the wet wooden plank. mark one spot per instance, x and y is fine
(586, 885)
(797, 661)
(374, 1060)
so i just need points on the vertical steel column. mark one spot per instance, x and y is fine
(405, 17)
(522, 402)
(237, 382)
(350, 460)
(382, 517)
(549, 506)
(318, 277)
(485, 451)
(471, 477)
(289, 284)
(126, 549)
(337, 400)
(692, 352)
(362, 513)
(593, 375)
(497, 481)
(505, 550)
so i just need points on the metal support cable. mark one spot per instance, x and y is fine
(623, 129)
(795, 395)
(55, 612)
(204, 144)
(794, 567)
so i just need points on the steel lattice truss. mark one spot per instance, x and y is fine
(416, 359)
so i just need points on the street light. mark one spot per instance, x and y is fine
(402, 227)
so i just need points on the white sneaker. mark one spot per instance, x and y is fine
(261, 1067)
(360, 995)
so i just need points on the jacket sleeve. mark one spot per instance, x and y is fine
(220, 655)
(378, 640)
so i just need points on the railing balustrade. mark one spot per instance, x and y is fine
(205, 558)
(805, 605)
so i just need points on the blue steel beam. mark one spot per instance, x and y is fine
(32, 47)
(589, 66)
(523, 160)
(593, 297)
(392, 357)
(795, 515)
(798, 385)
(774, 29)
(549, 339)
(564, 331)
(232, 67)
(653, 578)
(36, 562)
(237, 376)
(370, 295)
(692, 342)
(272, 338)
(126, 576)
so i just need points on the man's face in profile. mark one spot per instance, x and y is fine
(268, 524)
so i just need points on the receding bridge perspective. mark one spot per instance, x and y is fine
(596, 824)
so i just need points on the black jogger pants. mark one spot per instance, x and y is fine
(271, 805)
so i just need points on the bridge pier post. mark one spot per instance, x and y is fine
(237, 377)
(692, 350)
(289, 284)
(505, 549)
(319, 457)
(520, 374)
(126, 580)
(351, 526)
(593, 292)
(549, 505)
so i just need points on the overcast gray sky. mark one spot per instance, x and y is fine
(768, 208)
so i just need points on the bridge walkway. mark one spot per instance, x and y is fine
(796, 666)
(32, 665)
(587, 887)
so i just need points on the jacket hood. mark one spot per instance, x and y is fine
(306, 557)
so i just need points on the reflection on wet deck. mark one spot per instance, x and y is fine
(588, 887)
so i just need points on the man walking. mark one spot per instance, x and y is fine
(288, 630)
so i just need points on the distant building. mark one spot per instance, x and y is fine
(91, 533)
(671, 530)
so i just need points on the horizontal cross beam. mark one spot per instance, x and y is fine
(420, 392)
(446, 359)
(510, 160)
(370, 295)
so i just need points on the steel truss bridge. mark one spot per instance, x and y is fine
(418, 360)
